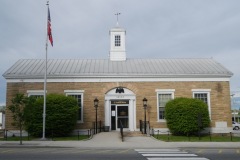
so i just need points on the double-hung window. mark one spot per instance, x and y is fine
(78, 95)
(163, 96)
(204, 95)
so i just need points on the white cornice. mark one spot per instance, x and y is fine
(120, 80)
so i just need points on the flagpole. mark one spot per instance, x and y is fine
(45, 81)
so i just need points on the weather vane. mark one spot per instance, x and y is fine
(117, 14)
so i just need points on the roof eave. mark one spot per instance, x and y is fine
(120, 76)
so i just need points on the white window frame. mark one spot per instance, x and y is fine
(77, 92)
(163, 91)
(35, 93)
(204, 91)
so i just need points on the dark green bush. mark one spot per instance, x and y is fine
(61, 115)
(186, 116)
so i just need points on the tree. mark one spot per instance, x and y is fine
(2, 109)
(186, 116)
(61, 115)
(17, 109)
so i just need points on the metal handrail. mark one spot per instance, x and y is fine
(121, 129)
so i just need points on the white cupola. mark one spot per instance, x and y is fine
(117, 44)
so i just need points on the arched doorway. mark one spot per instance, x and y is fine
(120, 105)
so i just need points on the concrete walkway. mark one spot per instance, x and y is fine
(112, 140)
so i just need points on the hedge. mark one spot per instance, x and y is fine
(61, 115)
(186, 116)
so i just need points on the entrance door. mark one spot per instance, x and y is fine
(119, 114)
(122, 116)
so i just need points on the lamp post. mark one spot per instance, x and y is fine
(145, 108)
(96, 106)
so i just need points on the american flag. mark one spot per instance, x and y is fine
(49, 30)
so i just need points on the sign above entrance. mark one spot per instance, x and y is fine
(120, 102)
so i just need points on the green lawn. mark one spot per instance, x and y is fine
(70, 138)
(205, 138)
(161, 137)
(15, 139)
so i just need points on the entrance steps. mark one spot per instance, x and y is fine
(113, 140)
(133, 134)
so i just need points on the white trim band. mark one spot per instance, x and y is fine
(122, 80)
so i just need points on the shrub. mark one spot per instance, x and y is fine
(17, 109)
(61, 115)
(186, 116)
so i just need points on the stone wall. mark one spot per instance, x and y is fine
(219, 98)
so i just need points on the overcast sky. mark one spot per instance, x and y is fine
(155, 29)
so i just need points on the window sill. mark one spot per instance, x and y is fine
(161, 120)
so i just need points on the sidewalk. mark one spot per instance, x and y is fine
(112, 140)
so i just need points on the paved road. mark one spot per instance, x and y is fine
(216, 154)
(68, 154)
(118, 154)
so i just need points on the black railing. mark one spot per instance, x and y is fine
(121, 130)
(231, 135)
(144, 127)
(97, 128)
(2, 133)
(76, 135)
(153, 133)
(7, 133)
(140, 126)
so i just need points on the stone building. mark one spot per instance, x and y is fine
(120, 84)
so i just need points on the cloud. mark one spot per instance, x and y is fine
(155, 29)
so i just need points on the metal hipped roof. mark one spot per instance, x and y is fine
(70, 68)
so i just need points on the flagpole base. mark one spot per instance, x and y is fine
(44, 139)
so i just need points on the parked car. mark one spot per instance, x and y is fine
(235, 125)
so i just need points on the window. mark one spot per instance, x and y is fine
(117, 40)
(162, 100)
(201, 96)
(35, 93)
(163, 96)
(78, 95)
(204, 95)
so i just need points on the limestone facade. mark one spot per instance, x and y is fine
(219, 98)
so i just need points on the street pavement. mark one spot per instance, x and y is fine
(113, 140)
